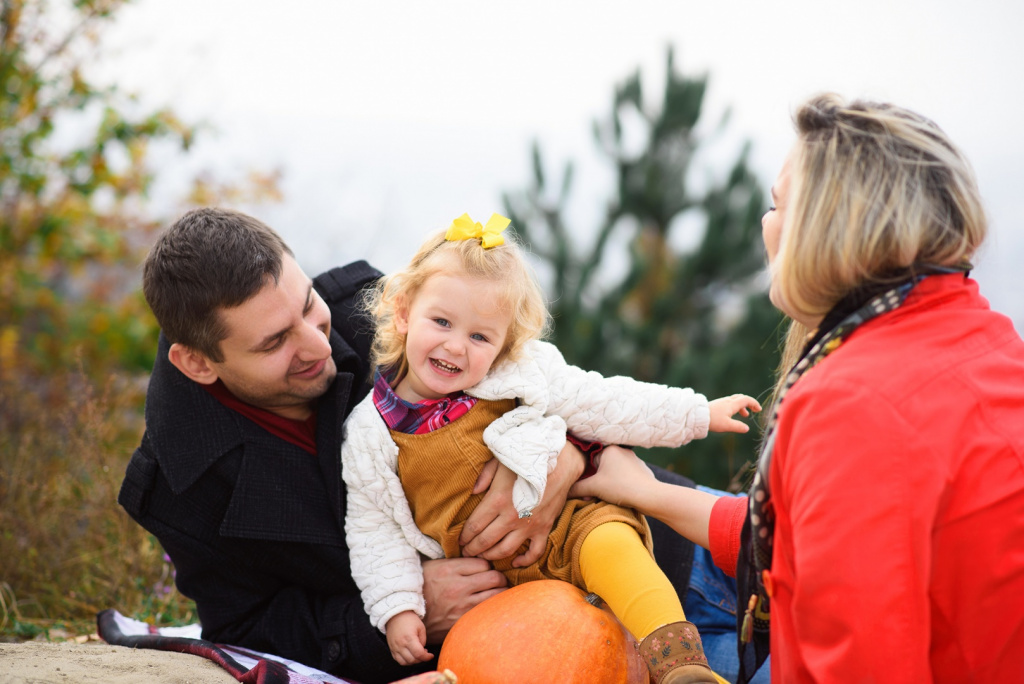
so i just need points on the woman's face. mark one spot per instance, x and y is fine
(771, 233)
(771, 227)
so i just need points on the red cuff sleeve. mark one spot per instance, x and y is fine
(724, 528)
(590, 451)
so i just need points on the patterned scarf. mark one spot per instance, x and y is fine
(756, 539)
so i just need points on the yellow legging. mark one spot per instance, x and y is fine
(617, 567)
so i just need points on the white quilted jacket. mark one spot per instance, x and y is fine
(553, 397)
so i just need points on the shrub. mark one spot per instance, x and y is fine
(67, 550)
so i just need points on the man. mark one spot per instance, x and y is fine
(238, 473)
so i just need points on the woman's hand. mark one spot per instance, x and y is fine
(494, 530)
(621, 478)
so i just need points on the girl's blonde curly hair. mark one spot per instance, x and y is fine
(504, 264)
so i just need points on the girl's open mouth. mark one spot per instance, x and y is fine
(446, 367)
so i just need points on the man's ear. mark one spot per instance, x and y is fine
(193, 364)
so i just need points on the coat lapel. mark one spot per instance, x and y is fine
(328, 443)
(284, 493)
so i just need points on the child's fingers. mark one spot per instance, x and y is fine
(412, 654)
(418, 645)
(744, 399)
(733, 425)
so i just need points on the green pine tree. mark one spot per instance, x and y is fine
(693, 318)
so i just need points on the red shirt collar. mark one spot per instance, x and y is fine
(301, 433)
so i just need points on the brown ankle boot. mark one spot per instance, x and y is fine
(674, 655)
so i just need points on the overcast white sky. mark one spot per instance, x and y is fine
(391, 118)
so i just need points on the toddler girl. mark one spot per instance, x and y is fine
(463, 376)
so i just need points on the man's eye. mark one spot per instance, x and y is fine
(771, 208)
(276, 345)
(314, 297)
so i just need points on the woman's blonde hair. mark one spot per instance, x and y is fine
(504, 264)
(875, 192)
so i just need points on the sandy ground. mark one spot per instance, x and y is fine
(95, 662)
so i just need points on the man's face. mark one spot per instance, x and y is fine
(277, 355)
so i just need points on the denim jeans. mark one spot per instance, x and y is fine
(711, 605)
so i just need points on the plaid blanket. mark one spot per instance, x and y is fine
(245, 665)
(250, 667)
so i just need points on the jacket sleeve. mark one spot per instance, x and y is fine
(528, 443)
(620, 410)
(724, 530)
(527, 439)
(842, 475)
(385, 565)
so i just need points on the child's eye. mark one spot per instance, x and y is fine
(443, 322)
(479, 337)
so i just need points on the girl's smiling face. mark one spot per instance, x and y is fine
(455, 327)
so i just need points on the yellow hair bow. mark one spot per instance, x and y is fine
(464, 228)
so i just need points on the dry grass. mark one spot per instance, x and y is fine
(67, 550)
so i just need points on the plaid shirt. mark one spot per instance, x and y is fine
(417, 419)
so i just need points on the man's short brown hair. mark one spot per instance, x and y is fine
(208, 260)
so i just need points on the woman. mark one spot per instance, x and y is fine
(883, 539)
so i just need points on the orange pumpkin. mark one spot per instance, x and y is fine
(541, 632)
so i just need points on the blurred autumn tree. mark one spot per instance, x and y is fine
(73, 216)
(72, 222)
(690, 309)
(75, 331)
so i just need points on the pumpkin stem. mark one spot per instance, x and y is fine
(593, 599)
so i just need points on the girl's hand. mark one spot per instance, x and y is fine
(722, 412)
(406, 638)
